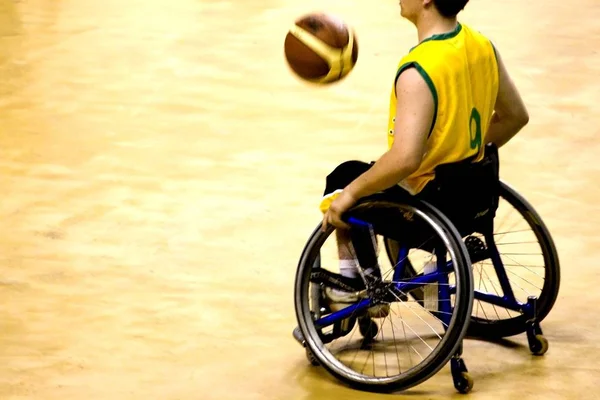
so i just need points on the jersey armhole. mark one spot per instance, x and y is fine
(495, 51)
(427, 78)
(497, 64)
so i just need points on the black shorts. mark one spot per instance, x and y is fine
(465, 192)
(347, 172)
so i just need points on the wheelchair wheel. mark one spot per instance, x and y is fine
(529, 257)
(528, 260)
(409, 343)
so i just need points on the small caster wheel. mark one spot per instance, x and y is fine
(368, 328)
(311, 358)
(538, 345)
(298, 336)
(460, 375)
(463, 383)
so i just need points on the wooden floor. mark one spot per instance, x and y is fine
(161, 171)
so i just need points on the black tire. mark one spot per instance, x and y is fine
(457, 328)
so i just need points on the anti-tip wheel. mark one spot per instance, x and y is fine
(464, 384)
(539, 346)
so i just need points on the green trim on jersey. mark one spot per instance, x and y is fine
(417, 66)
(495, 52)
(441, 36)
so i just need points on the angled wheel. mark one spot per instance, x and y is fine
(412, 341)
(528, 256)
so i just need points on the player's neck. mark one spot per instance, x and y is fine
(431, 24)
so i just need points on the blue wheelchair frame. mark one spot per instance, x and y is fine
(445, 290)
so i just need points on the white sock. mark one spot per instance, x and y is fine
(348, 268)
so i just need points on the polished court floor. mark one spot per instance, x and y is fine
(161, 170)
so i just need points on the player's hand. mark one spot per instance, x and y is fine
(339, 206)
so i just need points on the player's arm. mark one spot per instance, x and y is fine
(510, 113)
(414, 116)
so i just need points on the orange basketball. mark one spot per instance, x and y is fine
(321, 48)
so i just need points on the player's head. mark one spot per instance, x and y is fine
(412, 9)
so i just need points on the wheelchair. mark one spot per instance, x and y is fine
(445, 275)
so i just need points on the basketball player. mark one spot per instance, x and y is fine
(451, 96)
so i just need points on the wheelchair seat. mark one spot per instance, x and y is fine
(467, 192)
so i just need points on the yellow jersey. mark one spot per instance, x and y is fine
(461, 69)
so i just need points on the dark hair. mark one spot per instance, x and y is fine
(450, 8)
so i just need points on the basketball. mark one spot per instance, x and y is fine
(321, 48)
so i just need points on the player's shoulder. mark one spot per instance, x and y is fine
(427, 55)
(478, 38)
